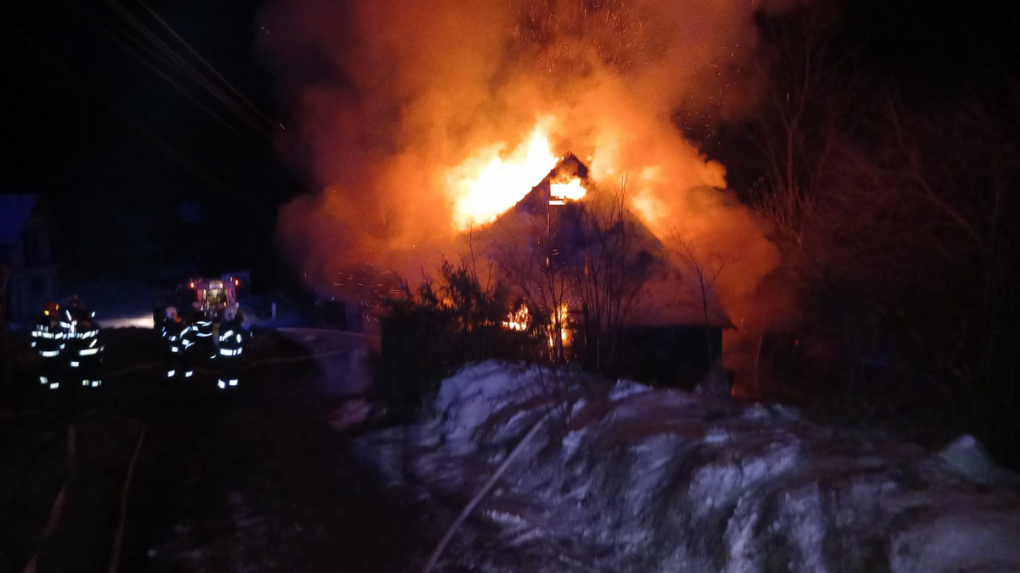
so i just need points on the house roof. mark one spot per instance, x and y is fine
(665, 299)
(15, 212)
(671, 301)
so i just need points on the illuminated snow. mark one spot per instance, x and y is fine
(629, 478)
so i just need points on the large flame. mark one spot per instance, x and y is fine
(486, 185)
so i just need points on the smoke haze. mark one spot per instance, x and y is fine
(391, 96)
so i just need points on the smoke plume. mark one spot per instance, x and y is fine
(390, 96)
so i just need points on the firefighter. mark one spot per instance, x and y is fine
(48, 340)
(231, 343)
(205, 345)
(189, 336)
(82, 341)
(170, 333)
(69, 316)
(86, 351)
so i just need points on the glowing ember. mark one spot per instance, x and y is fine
(488, 184)
(519, 320)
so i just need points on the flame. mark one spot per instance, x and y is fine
(562, 315)
(519, 320)
(573, 191)
(491, 182)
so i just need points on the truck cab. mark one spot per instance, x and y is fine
(212, 294)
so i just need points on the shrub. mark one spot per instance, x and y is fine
(432, 330)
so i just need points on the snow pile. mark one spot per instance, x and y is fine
(626, 478)
(474, 395)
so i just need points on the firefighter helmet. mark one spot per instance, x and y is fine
(52, 308)
(73, 301)
(230, 313)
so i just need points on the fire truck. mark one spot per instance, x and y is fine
(214, 295)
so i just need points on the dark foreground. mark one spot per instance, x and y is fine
(252, 480)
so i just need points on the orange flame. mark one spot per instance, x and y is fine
(561, 315)
(572, 191)
(491, 182)
(519, 320)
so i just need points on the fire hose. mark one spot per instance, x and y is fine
(434, 557)
(284, 360)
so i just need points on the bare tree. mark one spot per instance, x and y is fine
(525, 247)
(895, 222)
(958, 173)
(807, 105)
(587, 258)
(702, 271)
(616, 264)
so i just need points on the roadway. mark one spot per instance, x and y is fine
(199, 479)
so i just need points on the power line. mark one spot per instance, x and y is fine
(170, 80)
(168, 149)
(240, 95)
(188, 69)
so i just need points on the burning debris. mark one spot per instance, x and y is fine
(559, 324)
(518, 320)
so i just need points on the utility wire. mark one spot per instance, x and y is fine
(170, 80)
(240, 95)
(185, 67)
(168, 149)
(125, 36)
(188, 69)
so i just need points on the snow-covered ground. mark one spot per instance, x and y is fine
(129, 321)
(625, 478)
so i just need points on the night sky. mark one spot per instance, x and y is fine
(133, 171)
(136, 174)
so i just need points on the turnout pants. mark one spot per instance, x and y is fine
(176, 364)
(230, 372)
(51, 373)
(87, 373)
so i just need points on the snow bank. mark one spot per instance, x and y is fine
(477, 393)
(626, 478)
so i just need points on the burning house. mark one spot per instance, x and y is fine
(616, 297)
(586, 277)
(430, 135)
